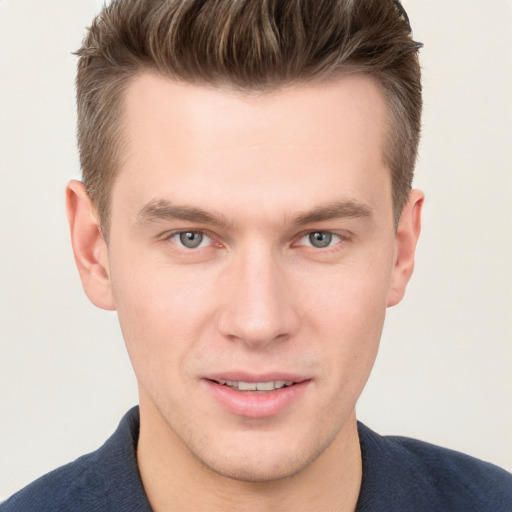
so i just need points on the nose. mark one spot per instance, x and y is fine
(259, 303)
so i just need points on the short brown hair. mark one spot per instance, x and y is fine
(250, 45)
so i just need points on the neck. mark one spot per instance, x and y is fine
(175, 480)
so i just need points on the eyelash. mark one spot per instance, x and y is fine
(170, 236)
(335, 237)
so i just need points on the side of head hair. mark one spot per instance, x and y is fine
(250, 46)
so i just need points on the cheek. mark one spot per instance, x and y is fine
(160, 312)
(350, 298)
(346, 318)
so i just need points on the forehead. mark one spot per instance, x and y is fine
(184, 109)
(284, 145)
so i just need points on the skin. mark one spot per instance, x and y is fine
(256, 296)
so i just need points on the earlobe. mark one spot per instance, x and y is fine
(89, 247)
(406, 238)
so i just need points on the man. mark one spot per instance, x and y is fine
(247, 210)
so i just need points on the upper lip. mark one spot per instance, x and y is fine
(251, 377)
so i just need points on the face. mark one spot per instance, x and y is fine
(252, 256)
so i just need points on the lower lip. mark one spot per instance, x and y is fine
(252, 404)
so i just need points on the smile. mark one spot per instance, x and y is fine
(255, 386)
(257, 397)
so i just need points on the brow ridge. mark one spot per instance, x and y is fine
(337, 210)
(161, 209)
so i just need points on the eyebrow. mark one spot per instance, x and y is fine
(162, 209)
(338, 210)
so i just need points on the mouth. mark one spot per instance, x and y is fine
(257, 397)
(261, 387)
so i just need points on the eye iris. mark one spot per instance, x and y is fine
(320, 239)
(190, 239)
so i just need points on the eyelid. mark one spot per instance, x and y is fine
(169, 235)
(340, 237)
(214, 239)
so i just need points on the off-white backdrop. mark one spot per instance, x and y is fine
(444, 370)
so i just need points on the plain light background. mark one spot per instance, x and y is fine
(444, 370)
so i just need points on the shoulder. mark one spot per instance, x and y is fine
(60, 488)
(415, 475)
(106, 480)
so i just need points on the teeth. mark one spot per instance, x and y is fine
(265, 386)
(256, 386)
(248, 386)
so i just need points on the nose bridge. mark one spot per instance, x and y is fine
(258, 307)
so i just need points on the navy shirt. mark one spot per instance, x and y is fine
(399, 475)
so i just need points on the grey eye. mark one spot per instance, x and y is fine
(320, 239)
(191, 239)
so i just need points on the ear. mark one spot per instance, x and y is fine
(89, 247)
(406, 238)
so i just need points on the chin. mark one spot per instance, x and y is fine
(257, 471)
(262, 460)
